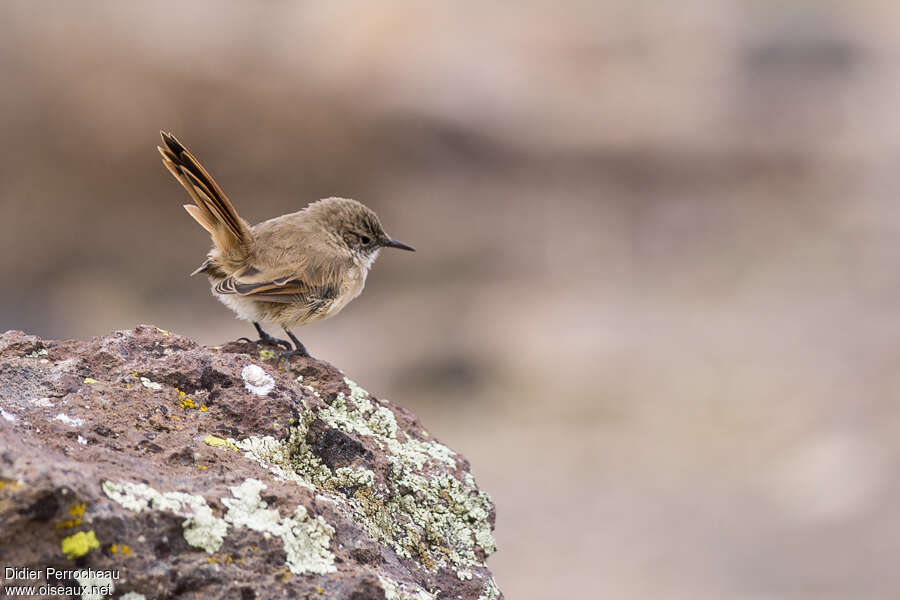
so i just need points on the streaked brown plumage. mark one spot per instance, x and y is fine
(290, 270)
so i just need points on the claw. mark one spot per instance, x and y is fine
(270, 341)
(286, 356)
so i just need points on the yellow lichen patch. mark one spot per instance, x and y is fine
(135, 374)
(164, 332)
(90, 380)
(217, 442)
(77, 511)
(266, 354)
(187, 403)
(124, 549)
(201, 467)
(319, 590)
(70, 524)
(203, 408)
(222, 559)
(79, 544)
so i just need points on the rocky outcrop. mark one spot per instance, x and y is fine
(144, 465)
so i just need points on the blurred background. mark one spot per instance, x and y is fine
(655, 298)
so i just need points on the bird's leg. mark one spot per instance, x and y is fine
(265, 338)
(299, 348)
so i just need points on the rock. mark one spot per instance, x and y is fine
(148, 466)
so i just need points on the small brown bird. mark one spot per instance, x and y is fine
(290, 270)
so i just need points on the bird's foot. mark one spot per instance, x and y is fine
(287, 356)
(268, 340)
(299, 349)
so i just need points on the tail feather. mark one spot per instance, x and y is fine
(211, 208)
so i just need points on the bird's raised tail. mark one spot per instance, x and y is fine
(211, 207)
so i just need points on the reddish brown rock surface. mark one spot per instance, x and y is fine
(210, 473)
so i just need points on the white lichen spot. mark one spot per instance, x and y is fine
(37, 353)
(464, 574)
(70, 421)
(150, 385)
(202, 529)
(82, 440)
(133, 596)
(95, 584)
(8, 416)
(257, 381)
(305, 540)
(42, 402)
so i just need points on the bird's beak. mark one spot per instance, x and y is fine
(401, 245)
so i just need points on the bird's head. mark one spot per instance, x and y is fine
(354, 226)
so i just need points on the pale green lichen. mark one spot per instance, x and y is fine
(491, 591)
(202, 529)
(350, 477)
(150, 385)
(273, 455)
(305, 540)
(37, 353)
(436, 519)
(399, 591)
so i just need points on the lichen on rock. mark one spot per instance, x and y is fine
(305, 539)
(201, 528)
(291, 482)
(437, 518)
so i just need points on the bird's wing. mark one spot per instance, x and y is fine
(291, 285)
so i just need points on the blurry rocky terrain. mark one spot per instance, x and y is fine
(178, 471)
(655, 294)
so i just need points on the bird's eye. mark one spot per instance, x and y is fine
(365, 240)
